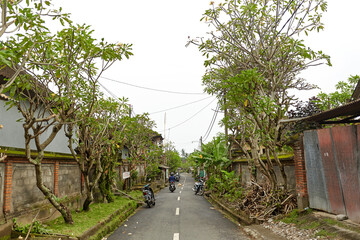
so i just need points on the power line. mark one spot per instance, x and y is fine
(132, 112)
(208, 131)
(193, 115)
(111, 93)
(180, 105)
(152, 89)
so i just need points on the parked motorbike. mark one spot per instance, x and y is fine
(149, 195)
(199, 187)
(172, 186)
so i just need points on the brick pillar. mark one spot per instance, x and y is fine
(56, 178)
(300, 174)
(7, 186)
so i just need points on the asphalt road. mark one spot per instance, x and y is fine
(180, 215)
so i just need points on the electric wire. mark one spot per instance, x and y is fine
(193, 115)
(211, 123)
(132, 113)
(107, 90)
(180, 105)
(152, 89)
(208, 131)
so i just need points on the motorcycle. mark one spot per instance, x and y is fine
(177, 177)
(149, 195)
(199, 187)
(172, 186)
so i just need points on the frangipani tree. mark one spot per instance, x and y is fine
(28, 17)
(254, 55)
(138, 136)
(61, 77)
(99, 132)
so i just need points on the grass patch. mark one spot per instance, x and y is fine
(295, 217)
(331, 221)
(85, 220)
(312, 225)
(324, 233)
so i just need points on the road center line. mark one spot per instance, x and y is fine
(177, 211)
(179, 192)
(178, 198)
(176, 236)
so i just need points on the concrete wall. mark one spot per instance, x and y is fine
(69, 180)
(242, 168)
(14, 132)
(24, 190)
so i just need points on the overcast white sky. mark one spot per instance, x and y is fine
(159, 30)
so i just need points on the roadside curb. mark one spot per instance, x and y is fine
(110, 224)
(251, 228)
(242, 219)
(94, 233)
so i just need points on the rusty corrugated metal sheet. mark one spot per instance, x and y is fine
(332, 178)
(318, 196)
(345, 146)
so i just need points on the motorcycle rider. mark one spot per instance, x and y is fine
(171, 178)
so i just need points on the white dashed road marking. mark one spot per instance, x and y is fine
(179, 198)
(177, 211)
(176, 236)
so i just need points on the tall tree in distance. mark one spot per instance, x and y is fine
(342, 95)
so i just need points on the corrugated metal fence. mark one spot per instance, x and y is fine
(332, 158)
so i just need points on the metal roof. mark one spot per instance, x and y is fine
(348, 111)
(163, 166)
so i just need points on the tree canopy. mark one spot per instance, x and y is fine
(254, 54)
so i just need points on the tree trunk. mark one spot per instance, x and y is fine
(282, 169)
(88, 201)
(90, 185)
(89, 195)
(66, 214)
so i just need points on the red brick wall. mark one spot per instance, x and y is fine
(56, 178)
(300, 173)
(7, 186)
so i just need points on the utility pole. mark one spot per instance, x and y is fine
(165, 162)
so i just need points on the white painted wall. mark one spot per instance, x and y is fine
(12, 133)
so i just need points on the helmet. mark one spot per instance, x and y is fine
(172, 174)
